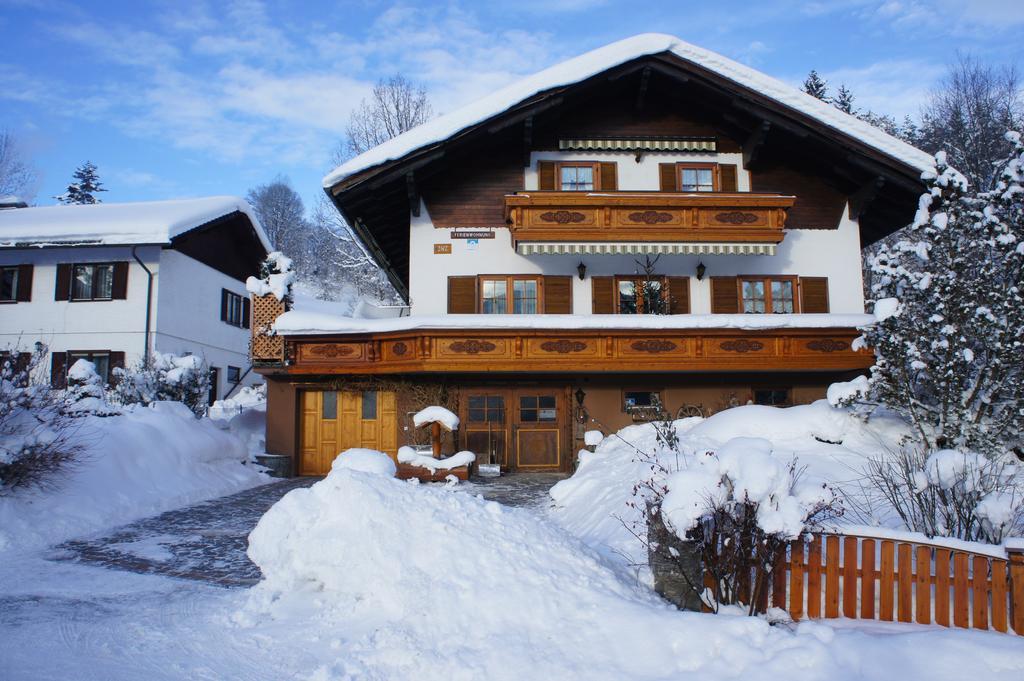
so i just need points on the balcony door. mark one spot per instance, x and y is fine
(520, 429)
(538, 424)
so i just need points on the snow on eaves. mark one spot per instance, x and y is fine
(149, 222)
(299, 322)
(603, 58)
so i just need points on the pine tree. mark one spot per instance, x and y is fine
(950, 300)
(844, 100)
(86, 184)
(815, 86)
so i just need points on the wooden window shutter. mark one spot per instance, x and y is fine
(24, 292)
(557, 295)
(603, 290)
(678, 295)
(609, 175)
(223, 304)
(119, 289)
(462, 295)
(246, 312)
(725, 297)
(62, 289)
(59, 369)
(546, 175)
(727, 178)
(814, 294)
(668, 177)
(116, 362)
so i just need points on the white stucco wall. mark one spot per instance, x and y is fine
(832, 253)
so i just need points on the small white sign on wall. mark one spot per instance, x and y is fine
(472, 244)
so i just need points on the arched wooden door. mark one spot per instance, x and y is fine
(331, 421)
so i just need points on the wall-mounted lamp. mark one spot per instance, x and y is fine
(701, 270)
(580, 396)
(582, 269)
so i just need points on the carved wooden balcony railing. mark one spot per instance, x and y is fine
(575, 350)
(711, 217)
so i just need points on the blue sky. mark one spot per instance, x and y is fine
(175, 99)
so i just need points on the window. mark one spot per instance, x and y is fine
(772, 397)
(537, 408)
(232, 308)
(329, 407)
(698, 177)
(577, 177)
(92, 282)
(8, 284)
(369, 406)
(640, 295)
(234, 375)
(633, 399)
(768, 294)
(486, 409)
(100, 360)
(494, 295)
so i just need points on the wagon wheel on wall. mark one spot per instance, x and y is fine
(689, 410)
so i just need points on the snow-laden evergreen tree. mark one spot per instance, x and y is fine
(85, 393)
(948, 293)
(85, 186)
(844, 100)
(815, 86)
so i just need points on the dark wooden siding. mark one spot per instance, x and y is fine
(471, 192)
(818, 204)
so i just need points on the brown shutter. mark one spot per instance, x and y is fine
(59, 369)
(668, 177)
(116, 362)
(814, 294)
(557, 295)
(119, 290)
(678, 295)
(727, 178)
(461, 295)
(603, 290)
(24, 292)
(223, 304)
(546, 175)
(609, 176)
(724, 295)
(62, 289)
(246, 312)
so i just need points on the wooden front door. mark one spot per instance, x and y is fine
(486, 425)
(332, 421)
(537, 424)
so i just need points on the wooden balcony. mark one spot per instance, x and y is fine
(647, 217)
(573, 351)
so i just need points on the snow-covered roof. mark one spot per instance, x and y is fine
(596, 61)
(300, 322)
(149, 222)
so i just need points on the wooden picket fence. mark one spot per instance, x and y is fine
(892, 580)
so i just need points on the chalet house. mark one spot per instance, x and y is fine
(114, 282)
(646, 228)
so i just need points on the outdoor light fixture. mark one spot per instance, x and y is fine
(580, 396)
(701, 270)
(582, 269)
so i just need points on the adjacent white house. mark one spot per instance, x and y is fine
(115, 282)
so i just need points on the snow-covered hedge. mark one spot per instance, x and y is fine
(166, 377)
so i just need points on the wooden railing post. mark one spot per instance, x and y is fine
(1016, 564)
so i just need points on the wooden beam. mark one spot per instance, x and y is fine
(413, 194)
(528, 112)
(765, 115)
(860, 199)
(645, 77)
(879, 169)
(754, 142)
(527, 140)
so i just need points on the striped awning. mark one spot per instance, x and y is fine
(640, 248)
(638, 144)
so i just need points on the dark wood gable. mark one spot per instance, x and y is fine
(228, 244)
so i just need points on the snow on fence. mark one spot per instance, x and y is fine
(874, 578)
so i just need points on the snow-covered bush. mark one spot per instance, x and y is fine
(85, 394)
(166, 377)
(947, 493)
(950, 306)
(276, 277)
(739, 507)
(35, 429)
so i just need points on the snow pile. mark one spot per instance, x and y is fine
(430, 414)
(592, 438)
(609, 56)
(144, 461)
(408, 455)
(365, 461)
(278, 277)
(840, 393)
(598, 505)
(741, 470)
(149, 222)
(244, 415)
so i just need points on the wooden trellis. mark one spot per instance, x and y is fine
(265, 346)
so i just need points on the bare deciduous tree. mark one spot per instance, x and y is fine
(280, 211)
(17, 176)
(395, 106)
